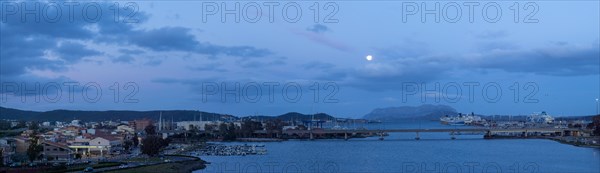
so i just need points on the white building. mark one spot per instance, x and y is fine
(105, 145)
(89, 131)
(188, 125)
(46, 124)
(125, 129)
(75, 123)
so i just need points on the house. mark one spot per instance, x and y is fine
(107, 144)
(81, 145)
(56, 152)
(199, 125)
(21, 144)
(139, 125)
(125, 129)
(70, 131)
(166, 133)
(8, 147)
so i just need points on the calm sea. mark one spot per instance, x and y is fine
(399, 152)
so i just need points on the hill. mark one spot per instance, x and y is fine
(295, 116)
(408, 113)
(125, 115)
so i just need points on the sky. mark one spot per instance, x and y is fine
(272, 57)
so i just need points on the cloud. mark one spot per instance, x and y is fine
(317, 28)
(153, 62)
(131, 51)
(73, 52)
(391, 74)
(322, 39)
(215, 67)
(165, 39)
(127, 56)
(25, 44)
(396, 68)
(14, 85)
(317, 65)
(263, 63)
(126, 59)
(18, 53)
(559, 59)
(180, 39)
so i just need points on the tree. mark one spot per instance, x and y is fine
(21, 124)
(34, 125)
(1, 156)
(127, 145)
(249, 126)
(596, 123)
(150, 129)
(227, 131)
(18, 157)
(135, 140)
(222, 129)
(151, 145)
(34, 149)
(165, 142)
(274, 127)
(210, 127)
(4, 125)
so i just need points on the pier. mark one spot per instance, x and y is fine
(487, 132)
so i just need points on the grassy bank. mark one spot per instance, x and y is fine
(82, 167)
(178, 167)
(575, 143)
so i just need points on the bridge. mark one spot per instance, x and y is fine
(488, 132)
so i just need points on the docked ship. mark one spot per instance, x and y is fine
(461, 119)
(540, 118)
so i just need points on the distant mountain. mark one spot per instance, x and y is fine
(295, 116)
(391, 114)
(8, 113)
(124, 115)
(408, 113)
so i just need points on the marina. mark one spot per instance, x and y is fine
(435, 151)
(230, 150)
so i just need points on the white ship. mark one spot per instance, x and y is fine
(542, 118)
(461, 119)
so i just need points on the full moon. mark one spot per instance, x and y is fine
(369, 57)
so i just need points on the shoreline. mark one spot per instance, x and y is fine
(185, 166)
(577, 144)
(563, 140)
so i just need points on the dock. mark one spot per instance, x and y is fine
(488, 132)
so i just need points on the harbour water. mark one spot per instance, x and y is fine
(400, 152)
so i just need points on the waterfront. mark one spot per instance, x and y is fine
(399, 152)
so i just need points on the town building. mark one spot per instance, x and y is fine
(56, 152)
